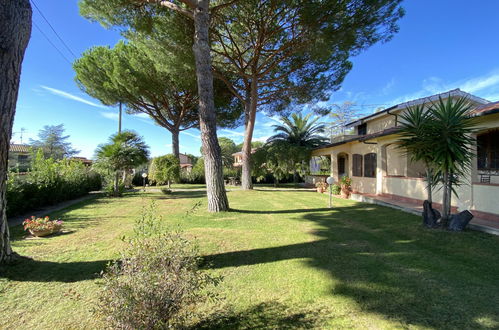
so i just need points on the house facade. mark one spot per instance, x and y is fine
(19, 157)
(378, 167)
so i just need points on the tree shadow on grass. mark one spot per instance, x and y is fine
(390, 265)
(184, 195)
(280, 211)
(29, 270)
(268, 315)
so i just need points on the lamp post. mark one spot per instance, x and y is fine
(144, 176)
(330, 182)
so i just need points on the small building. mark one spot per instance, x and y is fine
(238, 157)
(85, 161)
(185, 163)
(19, 157)
(378, 168)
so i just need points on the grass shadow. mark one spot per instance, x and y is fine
(268, 315)
(29, 270)
(389, 264)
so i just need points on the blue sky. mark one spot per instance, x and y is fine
(441, 45)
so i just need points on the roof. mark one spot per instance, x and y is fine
(486, 109)
(431, 98)
(82, 159)
(362, 138)
(240, 152)
(19, 148)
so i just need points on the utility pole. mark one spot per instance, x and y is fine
(119, 120)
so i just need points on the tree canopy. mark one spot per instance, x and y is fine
(53, 142)
(284, 53)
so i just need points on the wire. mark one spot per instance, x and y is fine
(55, 32)
(58, 50)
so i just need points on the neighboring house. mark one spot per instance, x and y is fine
(377, 167)
(238, 157)
(85, 161)
(185, 163)
(19, 157)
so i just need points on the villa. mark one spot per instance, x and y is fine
(381, 170)
(19, 156)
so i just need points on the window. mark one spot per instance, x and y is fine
(341, 165)
(357, 165)
(488, 150)
(22, 158)
(370, 165)
(362, 129)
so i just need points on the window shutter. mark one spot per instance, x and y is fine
(370, 165)
(357, 165)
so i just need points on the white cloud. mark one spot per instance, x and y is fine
(388, 87)
(477, 84)
(110, 115)
(485, 86)
(191, 135)
(142, 115)
(230, 132)
(69, 96)
(262, 139)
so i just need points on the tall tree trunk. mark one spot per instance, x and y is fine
(250, 113)
(446, 199)
(429, 184)
(15, 31)
(175, 144)
(217, 197)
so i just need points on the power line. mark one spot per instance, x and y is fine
(55, 32)
(55, 47)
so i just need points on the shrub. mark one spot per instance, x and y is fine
(156, 283)
(336, 189)
(110, 190)
(49, 182)
(164, 169)
(196, 175)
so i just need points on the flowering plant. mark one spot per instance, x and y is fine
(42, 224)
(321, 184)
(346, 181)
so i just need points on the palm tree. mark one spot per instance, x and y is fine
(450, 130)
(301, 135)
(123, 152)
(300, 131)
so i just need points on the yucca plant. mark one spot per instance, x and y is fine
(450, 129)
(440, 137)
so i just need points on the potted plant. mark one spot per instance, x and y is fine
(40, 227)
(346, 186)
(321, 186)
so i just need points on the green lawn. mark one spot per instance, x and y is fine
(287, 261)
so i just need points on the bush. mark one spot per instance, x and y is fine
(336, 189)
(110, 190)
(156, 283)
(196, 175)
(164, 169)
(49, 182)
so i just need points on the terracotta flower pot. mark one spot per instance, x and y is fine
(345, 191)
(320, 190)
(41, 233)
